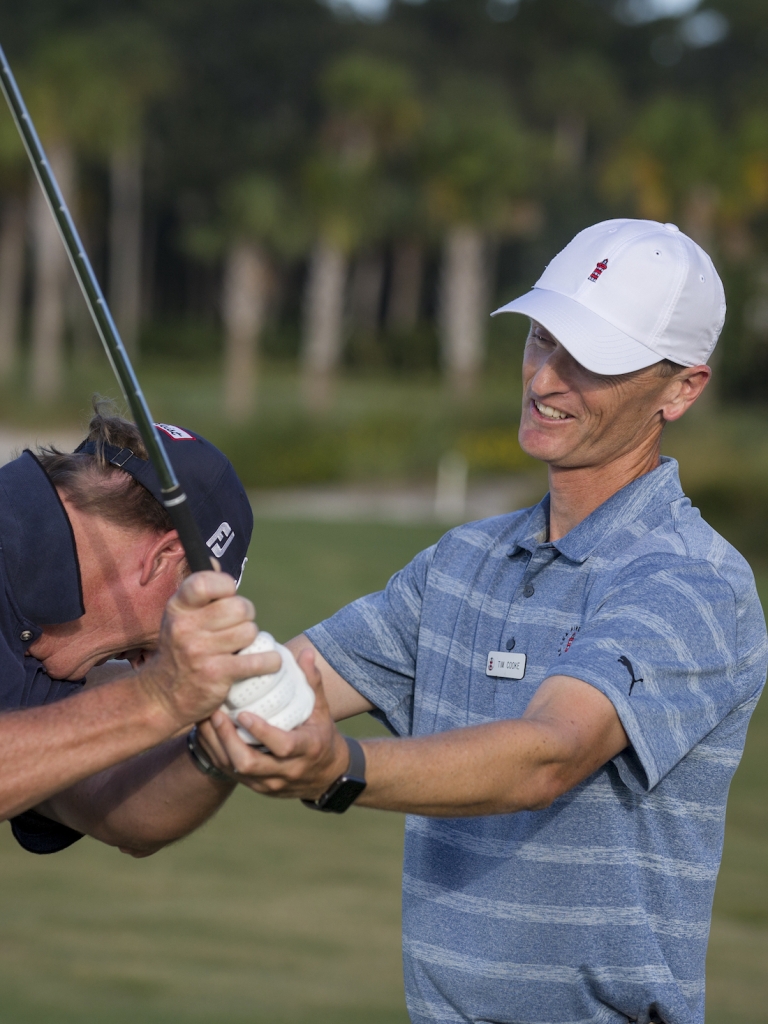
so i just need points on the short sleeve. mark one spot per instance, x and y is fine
(663, 643)
(38, 834)
(372, 643)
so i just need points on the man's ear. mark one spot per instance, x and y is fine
(163, 555)
(684, 390)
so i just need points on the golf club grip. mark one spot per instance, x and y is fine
(176, 503)
(177, 506)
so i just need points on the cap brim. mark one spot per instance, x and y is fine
(592, 341)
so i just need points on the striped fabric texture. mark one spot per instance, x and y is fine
(596, 909)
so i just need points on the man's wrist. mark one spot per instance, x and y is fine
(202, 761)
(347, 786)
(161, 711)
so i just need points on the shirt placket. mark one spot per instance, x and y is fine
(540, 560)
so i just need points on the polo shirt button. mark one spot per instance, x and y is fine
(528, 590)
(26, 634)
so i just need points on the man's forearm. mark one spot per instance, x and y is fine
(568, 731)
(144, 804)
(48, 749)
(44, 750)
(497, 768)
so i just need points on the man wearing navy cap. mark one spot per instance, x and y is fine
(88, 562)
(569, 685)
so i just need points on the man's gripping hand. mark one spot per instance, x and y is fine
(303, 762)
(205, 623)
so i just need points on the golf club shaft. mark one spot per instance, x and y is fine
(174, 498)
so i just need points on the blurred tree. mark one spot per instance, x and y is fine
(262, 224)
(744, 185)
(87, 91)
(136, 68)
(579, 94)
(14, 184)
(669, 166)
(372, 112)
(63, 95)
(743, 204)
(479, 166)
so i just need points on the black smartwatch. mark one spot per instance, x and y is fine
(342, 793)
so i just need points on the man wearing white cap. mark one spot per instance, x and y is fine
(570, 685)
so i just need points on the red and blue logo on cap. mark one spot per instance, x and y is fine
(601, 266)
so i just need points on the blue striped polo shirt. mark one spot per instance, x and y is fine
(596, 909)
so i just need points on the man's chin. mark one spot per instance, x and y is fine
(540, 447)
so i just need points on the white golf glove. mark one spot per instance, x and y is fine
(285, 698)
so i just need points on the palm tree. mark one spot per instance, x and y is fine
(59, 90)
(138, 66)
(49, 281)
(260, 225)
(668, 166)
(478, 164)
(14, 177)
(581, 96)
(372, 112)
(87, 92)
(69, 98)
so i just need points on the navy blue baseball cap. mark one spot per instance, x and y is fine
(217, 499)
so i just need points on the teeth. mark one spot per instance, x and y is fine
(547, 410)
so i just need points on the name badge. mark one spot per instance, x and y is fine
(505, 665)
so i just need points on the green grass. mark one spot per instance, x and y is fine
(269, 914)
(274, 914)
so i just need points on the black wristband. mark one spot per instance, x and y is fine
(201, 760)
(342, 793)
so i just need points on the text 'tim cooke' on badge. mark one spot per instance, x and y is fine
(504, 665)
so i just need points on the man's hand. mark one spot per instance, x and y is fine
(205, 623)
(303, 763)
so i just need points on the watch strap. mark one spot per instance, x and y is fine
(356, 758)
(201, 760)
(343, 792)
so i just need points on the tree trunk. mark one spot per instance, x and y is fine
(49, 280)
(323, 322)
(570, 141)
(405, 287)
(125, 242)
(366, 287)
(12, 234)
(244, 302)
(699, 215)
(462, 313)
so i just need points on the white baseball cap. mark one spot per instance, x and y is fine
(628, 293)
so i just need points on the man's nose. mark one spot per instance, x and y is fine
(550, 376)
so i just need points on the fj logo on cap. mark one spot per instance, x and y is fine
(175, 432)
(601, 266)
(220, 541)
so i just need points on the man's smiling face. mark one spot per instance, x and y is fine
(573, 418)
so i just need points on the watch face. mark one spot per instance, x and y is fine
(338, 800)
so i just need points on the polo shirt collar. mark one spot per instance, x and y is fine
(660, 486)
(38, 545)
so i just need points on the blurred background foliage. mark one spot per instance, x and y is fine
(303, 213)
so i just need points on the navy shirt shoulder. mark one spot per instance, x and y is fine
(40, 585)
